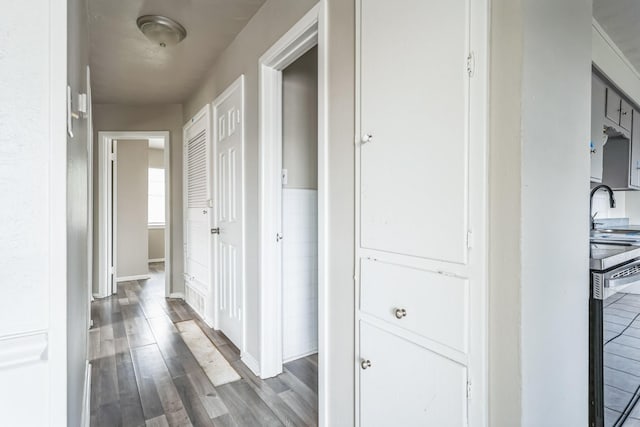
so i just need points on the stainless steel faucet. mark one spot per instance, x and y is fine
(612, 201)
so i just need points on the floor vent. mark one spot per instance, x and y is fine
(195, 299)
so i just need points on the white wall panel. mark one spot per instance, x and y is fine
(300, 272)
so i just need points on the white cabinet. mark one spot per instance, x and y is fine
(408, 385)
(421, 212)
(634, 173)
(414, 100)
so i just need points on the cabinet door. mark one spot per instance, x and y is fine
(625, 115)
(407, 385)
(613, 106)
(634, 167)
(414, 103)
(598, 101)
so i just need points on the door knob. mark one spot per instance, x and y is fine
(366, 138)
(365, 364)
(400, 313)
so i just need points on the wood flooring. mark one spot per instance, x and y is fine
(143, 373)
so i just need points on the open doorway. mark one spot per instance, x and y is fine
(292, 202)
(134, 212)
(299, 219)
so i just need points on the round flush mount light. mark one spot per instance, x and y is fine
(161, 30)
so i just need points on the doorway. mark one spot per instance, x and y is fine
(281, 253)
(299, 211)
(134, 208)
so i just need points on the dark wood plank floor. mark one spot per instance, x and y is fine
(622, 360)
(143, 373)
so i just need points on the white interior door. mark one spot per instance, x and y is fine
(197, 201)
(229, 202)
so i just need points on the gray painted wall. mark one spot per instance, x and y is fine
(540, 125)
(556, 124)
(132, 233)
(156, 243)
(273, 19)
(77, 214)
(340, 247)
(300, 121)
(112, 117)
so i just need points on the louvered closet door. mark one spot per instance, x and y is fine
(197, 205)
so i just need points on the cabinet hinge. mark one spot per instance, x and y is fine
(468, 390)
(112, 270)
(112, 157)
(469, 239)
(471, 64)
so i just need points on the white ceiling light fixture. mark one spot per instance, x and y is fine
(161, 30)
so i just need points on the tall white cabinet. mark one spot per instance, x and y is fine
(421, 213)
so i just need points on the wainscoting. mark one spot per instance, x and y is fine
(300, 272)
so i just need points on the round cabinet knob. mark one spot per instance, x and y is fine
(366, 138)
(400, 313)
(204, 211)
(365, 364)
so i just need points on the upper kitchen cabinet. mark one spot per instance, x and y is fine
(598, 137)
(618, 110)
(615, 137)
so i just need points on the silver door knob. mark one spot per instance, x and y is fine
(365, 364)
(400, 313)
(366, 138)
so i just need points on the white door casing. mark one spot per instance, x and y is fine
(197, 212)
(228, 122)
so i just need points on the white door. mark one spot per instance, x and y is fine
(404, 384)
(229, 201)
(197, 198)
(414, 168)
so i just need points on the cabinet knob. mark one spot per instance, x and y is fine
(366, 138)
(400, 313)
(365, 364)
(204, 211)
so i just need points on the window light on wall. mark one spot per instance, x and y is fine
(156, 197)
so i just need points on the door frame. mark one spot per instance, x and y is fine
(239, 83)
(307, 33)
(106, 219)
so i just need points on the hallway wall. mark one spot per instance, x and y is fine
(271, 21)
(113, 117)
(132, 225)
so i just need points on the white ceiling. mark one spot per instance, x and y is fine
(621, 20)
(127, 68)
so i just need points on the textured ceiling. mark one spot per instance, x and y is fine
(127, 68)
(621, 20)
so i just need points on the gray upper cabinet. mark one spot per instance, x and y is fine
(598, 102)
(613, 106)
(634, 181)
(625, 115)
(615, 138)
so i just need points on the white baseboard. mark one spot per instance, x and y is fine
(129, 278)
(156, 260)
(178, 295)
(86, 399)
(300, 356)
(251, 363)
